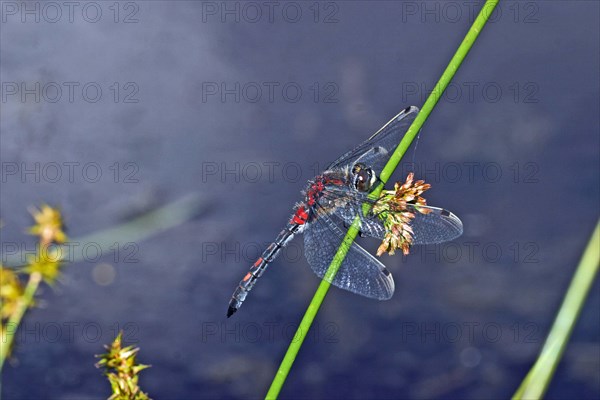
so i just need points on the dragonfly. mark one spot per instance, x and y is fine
(332, 201)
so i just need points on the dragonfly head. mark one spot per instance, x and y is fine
(363, 177)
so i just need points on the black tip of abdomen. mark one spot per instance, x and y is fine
(230, 311)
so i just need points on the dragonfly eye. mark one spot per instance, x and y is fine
(363, 177)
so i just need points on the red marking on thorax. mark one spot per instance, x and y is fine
(333, 181)
(314, 191)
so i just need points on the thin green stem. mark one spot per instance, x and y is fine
(12, 325)
(537, 380)
(386, 173)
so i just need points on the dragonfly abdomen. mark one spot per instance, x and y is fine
(260, 265)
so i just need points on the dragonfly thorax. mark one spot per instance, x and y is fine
(314, 192)
(358, 177)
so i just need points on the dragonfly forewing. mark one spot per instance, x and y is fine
(437, 226)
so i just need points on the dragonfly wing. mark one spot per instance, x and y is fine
(438, 226)
(350, 207)
(376, 151)
(359, 273)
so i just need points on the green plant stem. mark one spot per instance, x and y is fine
(537, 380)
(386, 173)
(15, 319)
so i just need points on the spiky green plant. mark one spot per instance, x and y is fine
(41, 266)
(122, 370)
(45, 265)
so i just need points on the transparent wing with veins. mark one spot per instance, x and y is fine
(338, 206)
(438, 226)
(359, 272)
(376, 151)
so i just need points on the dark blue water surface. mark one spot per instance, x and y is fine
(242, 103)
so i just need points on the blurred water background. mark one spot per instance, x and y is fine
(112, 109)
